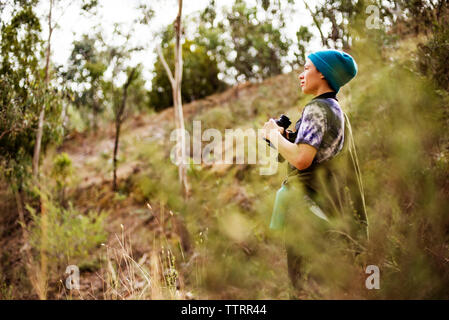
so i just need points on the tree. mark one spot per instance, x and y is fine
(303, 36)
(317, 23)
(24, 91)
(345, 11)
(119, 111)
(86, 5)
(434, 54)
(175, 81)
(117, 58)
(414, 17)
(200, 76)
(85, 71)
(250, 45)
(37, 145)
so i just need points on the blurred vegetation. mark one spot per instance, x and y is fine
(217, 243)
(62, 172)
(86, 70)
(249, 45)
(70, 236)
(433, 56)
(23, 93)
(200, 75)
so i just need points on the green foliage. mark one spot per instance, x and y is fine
(117, 57)
(23, 93)
(199, 79)
(433, 57)
(62, 173)
(251, 47)
(138, 97)
(66, 236)
(86, 69)
(303, 36)
(403, 165)
(395, 136)
(341, 14)
(218, 118)
(396, 17)
(155, 184)
(400, 135)
(19, 89)
(76, 121)
(62, 167)
(96, 96)
(417, 16)
(6, 291)
(88, 5)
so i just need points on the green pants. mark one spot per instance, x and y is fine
(304, 225)
(288, 197)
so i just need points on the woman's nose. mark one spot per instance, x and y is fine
(301, 76)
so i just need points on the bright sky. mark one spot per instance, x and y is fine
(71, 24)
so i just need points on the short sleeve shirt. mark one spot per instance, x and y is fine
(322, 126)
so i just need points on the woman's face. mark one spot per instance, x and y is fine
(310, 78)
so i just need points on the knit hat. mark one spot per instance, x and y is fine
(336, 66)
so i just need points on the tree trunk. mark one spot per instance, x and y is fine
(39, 279)
(118, 124)
(175, 82)
(40, 128)
(179, 122)
(117, 136)
(37, 146)
(182, 169)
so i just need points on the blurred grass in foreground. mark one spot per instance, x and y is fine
(398, 120)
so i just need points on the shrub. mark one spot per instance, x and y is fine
(62, 172)
(433, 57)
(65, 236)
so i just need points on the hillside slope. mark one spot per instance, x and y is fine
(145, 145)
(217, 244)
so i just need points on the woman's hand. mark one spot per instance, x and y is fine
(269, 129)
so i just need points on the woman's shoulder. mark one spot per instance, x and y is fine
(316, 106)
(324, 105)
(321, 102)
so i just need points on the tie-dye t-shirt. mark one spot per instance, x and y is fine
(322, 126)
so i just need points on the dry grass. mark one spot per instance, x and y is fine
(153, 276)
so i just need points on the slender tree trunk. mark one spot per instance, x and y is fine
(118, 124)
(117, 136)
(182, 169)
(40, 129)
(39, 275)
(177, 102)
(176, 81)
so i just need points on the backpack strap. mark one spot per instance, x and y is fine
(355, 162)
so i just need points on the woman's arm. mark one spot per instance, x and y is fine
(299, 155)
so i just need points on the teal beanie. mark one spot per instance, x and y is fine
(336, 66)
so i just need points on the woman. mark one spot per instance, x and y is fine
(319, 138)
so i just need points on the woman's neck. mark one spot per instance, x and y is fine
(322, 90)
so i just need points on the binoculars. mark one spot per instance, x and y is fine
(284, 122)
